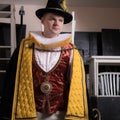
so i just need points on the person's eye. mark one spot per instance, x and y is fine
(61, 20)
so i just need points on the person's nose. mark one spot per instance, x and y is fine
(56, 22)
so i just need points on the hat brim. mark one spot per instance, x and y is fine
(67, 16)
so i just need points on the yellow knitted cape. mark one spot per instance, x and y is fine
(23, 102)
(77, 103)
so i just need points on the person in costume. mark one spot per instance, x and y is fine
(45, 79)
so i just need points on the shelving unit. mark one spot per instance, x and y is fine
(8, 37)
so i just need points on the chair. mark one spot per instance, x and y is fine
(109, 83)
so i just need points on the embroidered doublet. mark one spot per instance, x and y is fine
(56, 99)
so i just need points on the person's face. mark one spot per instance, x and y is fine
(53, 24)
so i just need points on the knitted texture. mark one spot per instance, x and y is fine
(77, 103)
(25, 105)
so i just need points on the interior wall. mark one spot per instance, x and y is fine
(94, 19)
(87, 18)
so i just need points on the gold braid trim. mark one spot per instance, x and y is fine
(77, 101)
(52, 45)
(23, 103)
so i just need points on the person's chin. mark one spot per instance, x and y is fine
(56, 32)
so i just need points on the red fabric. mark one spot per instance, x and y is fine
(57, 98)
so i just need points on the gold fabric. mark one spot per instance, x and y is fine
(24, 104)
(77, 102)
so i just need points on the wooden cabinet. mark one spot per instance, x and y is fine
(105, 86)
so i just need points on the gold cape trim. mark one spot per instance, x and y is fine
(24, 104)
(77, 102)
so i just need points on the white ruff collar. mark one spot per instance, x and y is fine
(41, 39)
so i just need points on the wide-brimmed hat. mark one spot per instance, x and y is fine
(55, 6)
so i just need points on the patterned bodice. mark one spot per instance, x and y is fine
(51, 88)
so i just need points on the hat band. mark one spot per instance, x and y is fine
(56, 9)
